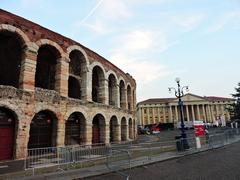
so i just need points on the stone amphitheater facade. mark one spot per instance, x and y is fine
(56, 92)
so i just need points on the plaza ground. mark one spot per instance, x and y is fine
(218, 164)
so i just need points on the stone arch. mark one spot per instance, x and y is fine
(114, 130)
(43, 42)
(75, 129)
(98, 129)
(43, 130)
(47, 59)
(112, 90)
(13, 29)
(130, 128)
(124, 129)
(129, 97)
(76, 47)
(12, 53)
(98, 84)
(122, 94)
(8, 133)
(77, 82)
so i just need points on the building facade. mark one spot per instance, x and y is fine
(56, 92)
(165, 110)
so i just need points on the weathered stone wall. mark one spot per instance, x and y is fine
(28, 100)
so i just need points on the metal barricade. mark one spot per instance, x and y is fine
(119, 160)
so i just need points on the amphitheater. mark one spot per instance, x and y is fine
(56, 92)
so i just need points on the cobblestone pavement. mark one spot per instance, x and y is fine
(218, 164)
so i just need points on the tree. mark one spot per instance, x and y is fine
(234, 109)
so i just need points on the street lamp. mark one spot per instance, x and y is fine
(179, 94)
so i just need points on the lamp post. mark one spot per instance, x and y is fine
(179, 94)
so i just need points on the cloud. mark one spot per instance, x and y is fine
(229, 17)
(188, 22)
(143, 70)
(142, 42)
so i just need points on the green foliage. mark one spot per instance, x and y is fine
(234, 109)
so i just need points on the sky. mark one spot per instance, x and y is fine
(153, 40)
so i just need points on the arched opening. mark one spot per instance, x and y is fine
(7, 133)
(10, 58)
(112, 90)
(46, 67)
(130, 128)
(75, 130)
(98, 129)
(124, 129)
(43, 130)
(114, 131)
(77, 75)
(74, 88)
(129, 98)
(98, 85)
(122, 94)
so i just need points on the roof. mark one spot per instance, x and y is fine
(167, 100)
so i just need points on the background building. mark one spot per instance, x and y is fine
(165, 110)
(56, 92)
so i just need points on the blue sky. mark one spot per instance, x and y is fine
(154, 40)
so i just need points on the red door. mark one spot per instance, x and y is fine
(95, 135)
(6, 143)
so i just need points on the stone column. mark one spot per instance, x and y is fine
(28, 69)
(61, 76)
(126, 99)
(104, 134)
(209, 113)
(117, 98)
(89, 133)
(170, 114)
(217, 110)
(176, 113)
(193, 113)
(188, 118)
(198, 113)
(159, 117)
(164, 115)
(204, 112)
(153, 114)
(117, 133)
(60, 130)
(89, 86)
(148, 116)
(142, 116)
(212, 112)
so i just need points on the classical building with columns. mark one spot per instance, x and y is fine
(165, 110)
(56, 92)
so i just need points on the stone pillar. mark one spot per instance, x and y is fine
(22, 134)
(142, 116)
(61, 76)
(117, 133)
(164, 115)
(170, 114)
(125, 98)
(104, 133)
(188, 118)
(60, 130)
(28, 69)
(176, 114)
(117, 98)
(105, 96)
(212, 112)
(153, 114)
(89, 86)
(148, 116)
(204, 113)
(193, 113)
(198, 113)
(88, 134)
(159, 117)
(217, 110)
